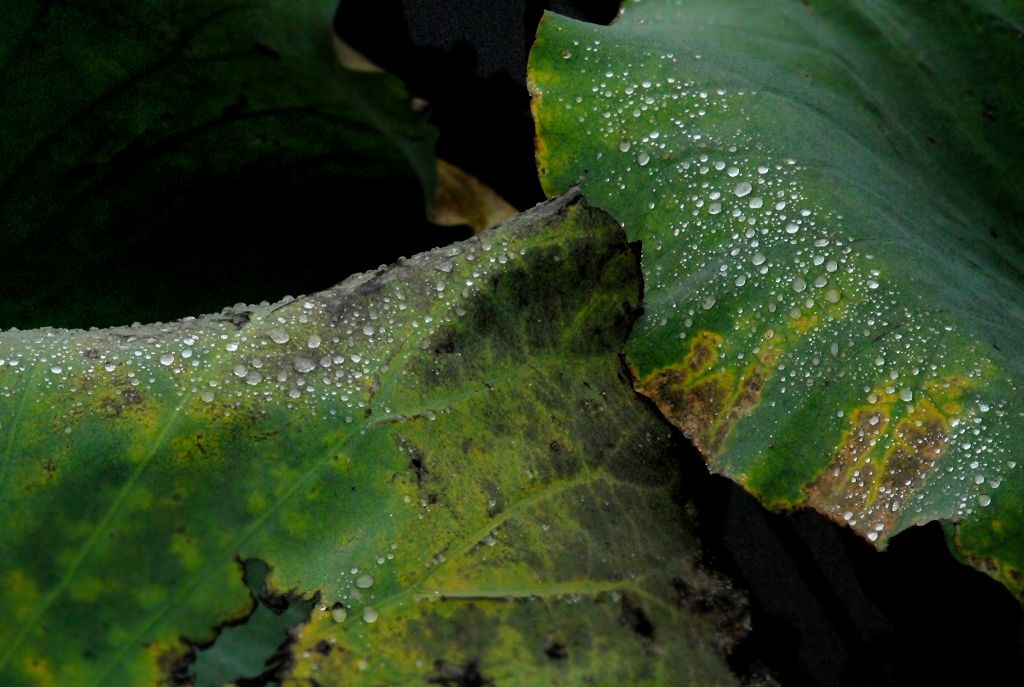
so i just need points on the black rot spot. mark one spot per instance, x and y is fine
(555, 650)
(454, 675)
(416, 463)
(634, 619)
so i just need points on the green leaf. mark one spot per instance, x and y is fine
(448, 452)
(150, 154)
(829, 200)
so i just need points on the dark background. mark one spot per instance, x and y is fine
(826, 607)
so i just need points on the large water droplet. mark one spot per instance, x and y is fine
(278, 335)
(742, 189)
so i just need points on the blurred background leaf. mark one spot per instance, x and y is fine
(162, 159)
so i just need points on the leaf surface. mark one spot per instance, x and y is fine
(829, 200)
(446, 454)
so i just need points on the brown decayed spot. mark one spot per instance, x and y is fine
(877, 466)
(846, 486)
(706, 407)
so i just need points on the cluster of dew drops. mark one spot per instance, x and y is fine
(324, 354)
(734, 223)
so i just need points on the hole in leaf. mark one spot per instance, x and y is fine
(256, 650)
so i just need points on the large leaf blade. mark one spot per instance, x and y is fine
(828, 197)
(436, 449)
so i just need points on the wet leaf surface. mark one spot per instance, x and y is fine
(828, 196)
(447, 453)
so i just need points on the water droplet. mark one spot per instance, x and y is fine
(758, 258)
(741, 280)
(252, 378)
(167, 359)
(984, 500)
(338, 612)
(303, 364)
(906, 395)
(56, 369)
(799, 285)
(643, 159)
(624, 145)
(364, 581)
(792, 228)
(742, 189)
(313, 341)
(369, 614)
(708, 303)
(755, 203)
(832, 296)
(207, 397)
(278, 335)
